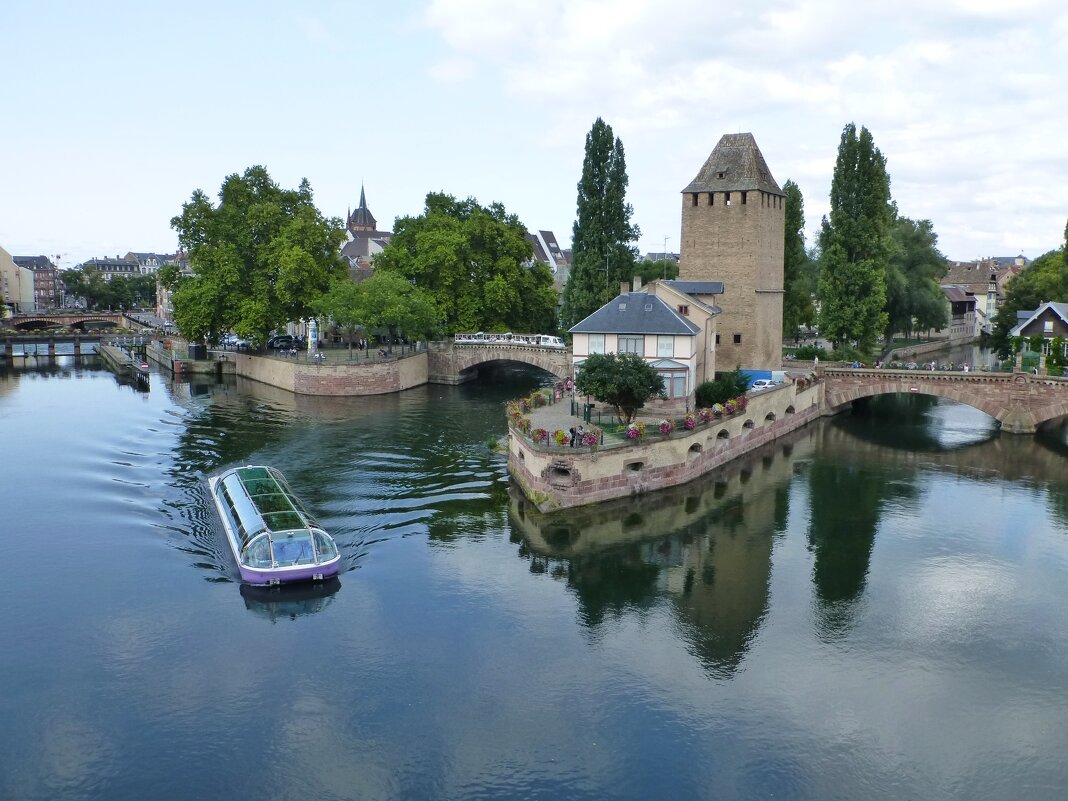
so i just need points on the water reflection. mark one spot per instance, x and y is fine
(705, 548)
(290, 602)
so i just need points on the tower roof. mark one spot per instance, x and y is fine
(362, 219)
(736, 164)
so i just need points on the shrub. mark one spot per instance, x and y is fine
(666, 427)
(725, 387)
(705, 414)
(690, 422)
(539, 435)
(810, 352)
(560, 437)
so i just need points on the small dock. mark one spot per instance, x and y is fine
(125, 360)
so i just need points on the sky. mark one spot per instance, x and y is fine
(113, 113)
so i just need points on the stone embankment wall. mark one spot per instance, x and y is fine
(303, 378)
(560, 478)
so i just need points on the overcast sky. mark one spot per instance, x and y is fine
(114, 112)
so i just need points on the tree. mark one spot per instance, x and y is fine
(260, 258)
(602, 256)
(624, 380)
(341, 305)
(390, 301)
(650, 271)
(914, 298)
(797, 307)
(476, 265)
(855, 244)
(1046, 278)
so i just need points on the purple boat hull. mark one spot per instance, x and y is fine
(284, 575)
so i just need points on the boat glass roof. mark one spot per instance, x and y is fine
(273, 499)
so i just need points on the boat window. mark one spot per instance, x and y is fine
(325, 546)
(245, 512)
(293, 548)
(258, 552)
(283, 521)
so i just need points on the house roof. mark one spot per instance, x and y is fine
(956, 295)
(1060, 309)
(735, 164)
(636, 313)
(697, 287)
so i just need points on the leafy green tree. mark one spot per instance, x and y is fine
(914, 298)
(727, 386)
(476, 265)
(624, 380)
(389, 301)
(653, 270)
(797, 307)
(855, 244)
(260, 258)
(1046, 278)
(341, 304)
(602, 256)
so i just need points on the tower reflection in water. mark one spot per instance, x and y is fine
(705, 548)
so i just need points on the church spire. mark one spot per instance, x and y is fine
(361, 220)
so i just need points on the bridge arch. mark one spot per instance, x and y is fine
(463, 359)
(1018, 401)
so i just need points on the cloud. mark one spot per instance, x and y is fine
(957, 96)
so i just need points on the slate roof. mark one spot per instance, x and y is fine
(636, 313)
(697, 287)
(1060, 309)
(33, 262)
(736, 164)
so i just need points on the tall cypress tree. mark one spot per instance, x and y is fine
(797, 307)
(855, 244)
(602, 255)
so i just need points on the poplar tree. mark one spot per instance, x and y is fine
(602, 256)
(797, 306)
(855, 244)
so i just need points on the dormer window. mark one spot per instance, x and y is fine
(648, 306)
(622, 306)
(721, 174)
(684, 310)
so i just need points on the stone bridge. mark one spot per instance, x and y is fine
(97, 320)
(454, 363)
(1021, 402)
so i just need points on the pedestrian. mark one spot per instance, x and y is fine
(571, 431)
(580, 432)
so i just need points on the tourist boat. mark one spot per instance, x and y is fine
(274, 539)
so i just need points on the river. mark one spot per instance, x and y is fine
(874, 608)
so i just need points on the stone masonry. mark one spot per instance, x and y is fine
(733, 223)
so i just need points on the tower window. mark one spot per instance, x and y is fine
(684, 310)
(711, 198)
(693, 199)
(727, 195)
(737, 339)
(744, 196)
(717, 339)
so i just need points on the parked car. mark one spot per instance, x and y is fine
(286, 342)
(761, 384)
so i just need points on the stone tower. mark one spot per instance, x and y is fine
(733, 224)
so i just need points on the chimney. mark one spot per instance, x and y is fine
(624, 288)
(637, 283)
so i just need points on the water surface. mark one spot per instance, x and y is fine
(873, 608)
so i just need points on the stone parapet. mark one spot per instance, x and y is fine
(552, 479)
